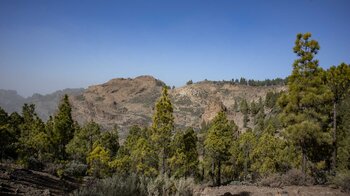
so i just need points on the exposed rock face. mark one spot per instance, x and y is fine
(127, 102)
(200, 102)
(122, 102)
(214, 106)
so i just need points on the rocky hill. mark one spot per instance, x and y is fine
(127, 102)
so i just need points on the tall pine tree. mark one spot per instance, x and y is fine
(162, 128)
(63, 128)
(303, 105)
(218, 143)
(338, 80)
(184, 159)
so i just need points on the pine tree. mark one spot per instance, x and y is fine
(4, 133)
(268, 155)
(15, 121)
(338, 80)
(137, 155)
(33, 141)
(162, 128)
(110, 141)
(82, 143)
(235, 106)
(343, 135)
(243, 149)
(303, 105)
(143, 158)
(254, 108)
(244, 108)
(98, 160)
(63, 128)
(218, 143)
(184, 160)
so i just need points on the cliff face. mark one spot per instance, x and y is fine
(127, 102)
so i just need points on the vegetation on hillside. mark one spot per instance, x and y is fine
(301, 134)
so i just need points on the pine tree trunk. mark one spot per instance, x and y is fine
(303, 166)
(213, 172)
(163, 162)
(334, 154)
(245, 163)
(218, 180)
(202, 178)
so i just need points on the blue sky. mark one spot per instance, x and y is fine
(51, 45)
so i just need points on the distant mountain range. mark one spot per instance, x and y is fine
(46, 105)
(126, 102)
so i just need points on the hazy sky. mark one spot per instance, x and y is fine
(51, 45)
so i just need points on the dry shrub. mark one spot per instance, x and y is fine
(342, 179)
(292, 177)
(273, 180)
(296, 177)
(131, 185)
(52, 168)
(163, 185)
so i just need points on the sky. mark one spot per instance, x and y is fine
(51, 45)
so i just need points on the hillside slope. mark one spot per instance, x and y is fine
(127, 102)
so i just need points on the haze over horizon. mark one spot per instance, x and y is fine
(51, 45)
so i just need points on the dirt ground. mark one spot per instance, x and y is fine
(245, 190)
(17, 181)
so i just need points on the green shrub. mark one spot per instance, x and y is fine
(75, 169)
(33, 164)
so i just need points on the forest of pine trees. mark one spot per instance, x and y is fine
(306, 129)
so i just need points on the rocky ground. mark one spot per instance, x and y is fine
(244, 190)
(17, 181)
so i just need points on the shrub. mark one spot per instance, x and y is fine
(163, 185)
(159, 186)
(296, 177)
(33, 164)
(273, 180)
(342, 179)
(292, 177)
(184, 186)
(116, 185)
(75, 169)
(52, 168)
(137, 185)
